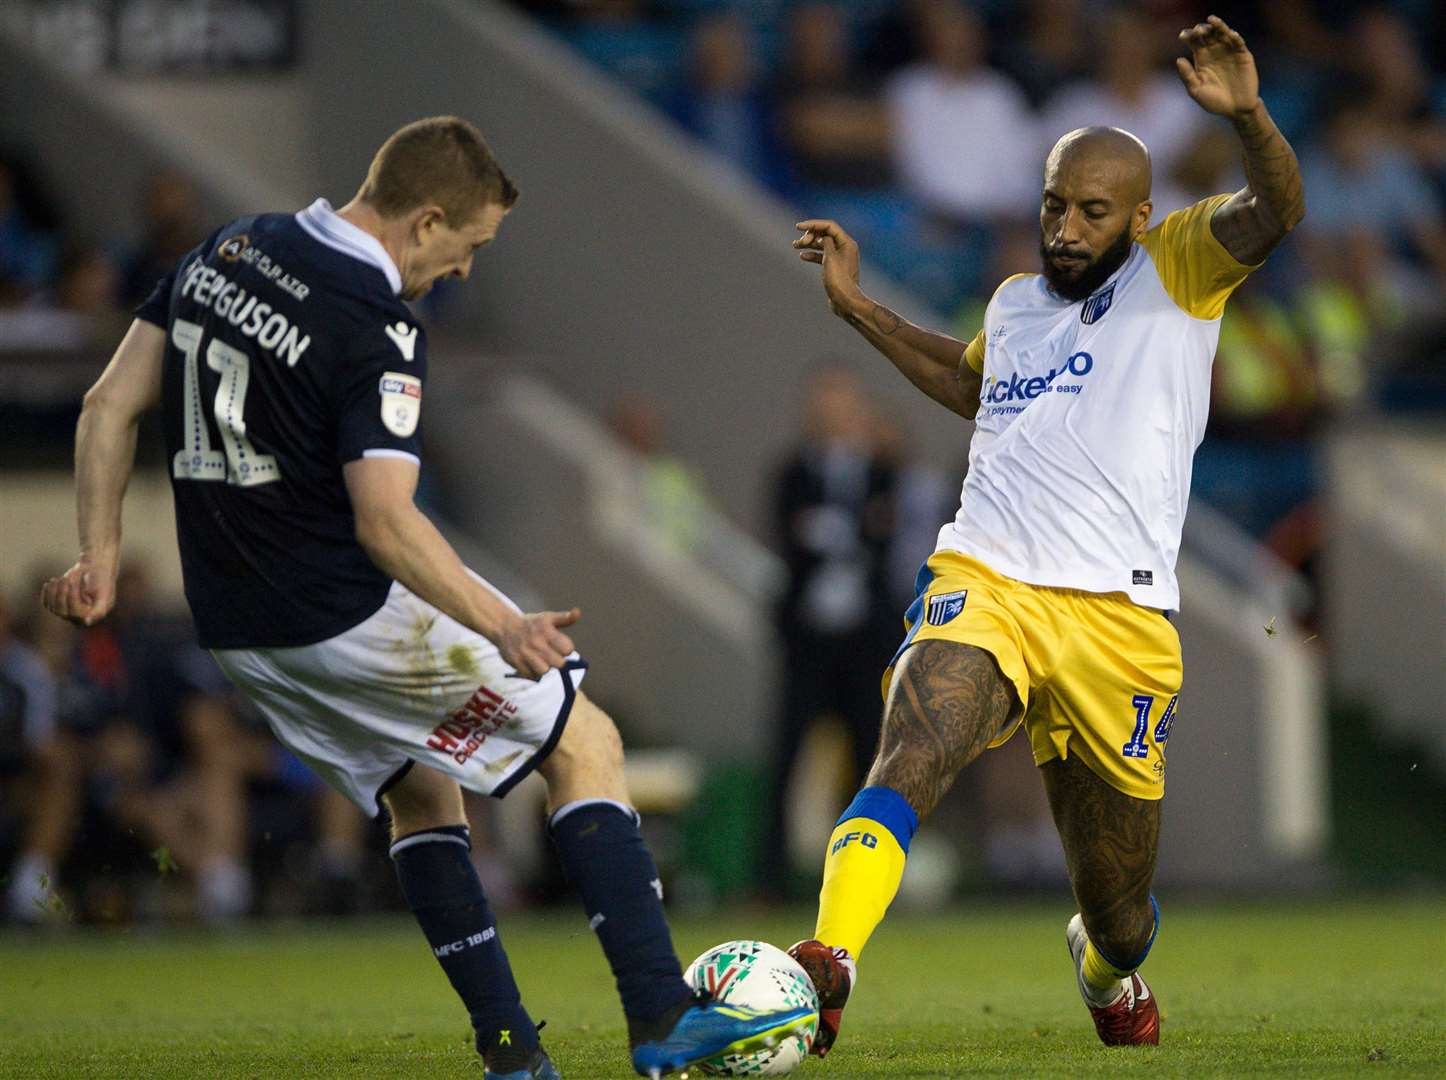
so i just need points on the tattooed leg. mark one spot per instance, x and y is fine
(1110, 843)
(946, 702)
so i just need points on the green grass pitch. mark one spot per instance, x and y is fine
(1299, 990)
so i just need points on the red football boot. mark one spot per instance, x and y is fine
(834, 973)
(1131, 1020)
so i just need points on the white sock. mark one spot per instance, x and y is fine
(223, 890)
(32, 884)
(1102, 999)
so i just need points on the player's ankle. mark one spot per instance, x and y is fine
(508, 1050)
(1101, 997)
(641, 1031)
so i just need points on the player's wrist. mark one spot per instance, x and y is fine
(100, 557)
(1253, 112)
(851, 305)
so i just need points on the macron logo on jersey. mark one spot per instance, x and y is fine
(1000, 389)
(404, 337)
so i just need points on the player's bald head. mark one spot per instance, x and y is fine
(1096, 204)
(1109, 156)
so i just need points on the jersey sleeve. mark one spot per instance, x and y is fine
(1196, 270)
(974, 353)
(378, 394)
(156, 307)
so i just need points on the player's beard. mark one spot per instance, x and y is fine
(1094, 274)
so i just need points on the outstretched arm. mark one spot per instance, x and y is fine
(405, 545)
(932, 362)
(105, 452)
(1221, 76)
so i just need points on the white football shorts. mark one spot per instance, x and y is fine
(408, 684)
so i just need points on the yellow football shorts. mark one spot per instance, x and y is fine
(1096, 675)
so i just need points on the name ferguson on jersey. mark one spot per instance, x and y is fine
(252, 317)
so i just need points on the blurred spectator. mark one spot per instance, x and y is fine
(1263, 383)
(1357, 303)
(28, 244)
(672, 496)
(832, 125)
(88, 283)
(721, 103)
(964, 141)
(171, 226)
(925, 497)
(1131, 90)
(1356, 177)
(833, 510)
(1015, 251)
(1049, 48)
(37, 777)
(175, 759)
(1397, 85)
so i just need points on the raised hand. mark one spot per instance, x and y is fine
(1220, 74)
(535, 644)
(826, 243)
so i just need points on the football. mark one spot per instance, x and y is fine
(757, 975)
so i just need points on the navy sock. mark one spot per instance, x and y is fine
(603, 852)
(442, 889)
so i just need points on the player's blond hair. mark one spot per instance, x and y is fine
(442, 160)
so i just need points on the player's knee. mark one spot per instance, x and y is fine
(424, 799)
(591, 736)
(588, 760)
(947, 701)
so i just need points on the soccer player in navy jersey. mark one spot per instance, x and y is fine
(291, 373)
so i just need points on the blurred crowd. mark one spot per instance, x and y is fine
(134, 783)
(56, 291)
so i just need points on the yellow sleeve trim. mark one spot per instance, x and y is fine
(1196, 270)
(974, 353)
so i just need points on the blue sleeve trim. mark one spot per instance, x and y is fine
(889, 809)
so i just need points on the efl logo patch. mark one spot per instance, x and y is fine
(1095, 307)
(231, 250)
(945, 607)
(401, 402)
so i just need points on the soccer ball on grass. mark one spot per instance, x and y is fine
(761, 976)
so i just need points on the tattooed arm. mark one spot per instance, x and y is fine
(1220, 75)
(932, 362)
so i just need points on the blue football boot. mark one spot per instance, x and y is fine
(711, 1029)
(539, 1068)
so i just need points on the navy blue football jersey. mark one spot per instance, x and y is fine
(289, 354)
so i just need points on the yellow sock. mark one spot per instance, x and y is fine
(1099, 972)
(863, 867)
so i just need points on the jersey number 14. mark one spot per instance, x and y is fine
(239, 463)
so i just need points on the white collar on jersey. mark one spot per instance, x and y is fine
(326, 226)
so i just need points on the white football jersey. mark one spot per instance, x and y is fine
(1090, 413)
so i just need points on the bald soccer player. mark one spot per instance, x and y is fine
(1047, 600)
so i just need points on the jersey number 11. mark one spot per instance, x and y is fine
(239, 464)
